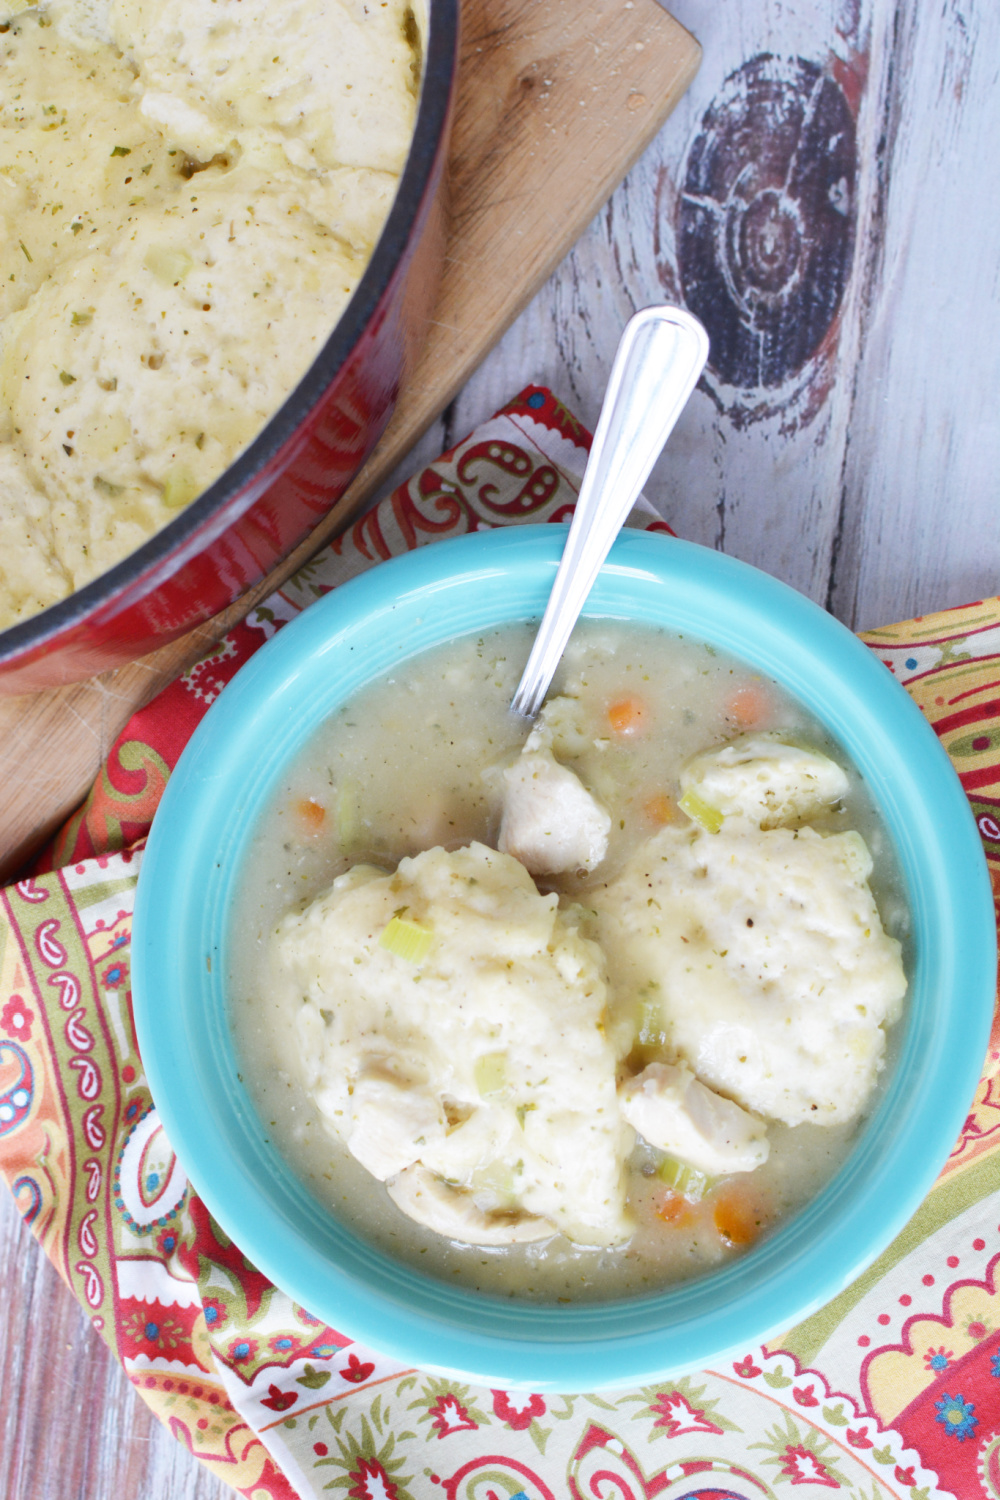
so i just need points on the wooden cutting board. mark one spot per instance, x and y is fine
(556, 100)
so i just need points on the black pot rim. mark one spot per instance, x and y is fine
(232, 494)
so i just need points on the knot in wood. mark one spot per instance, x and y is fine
(765, 222)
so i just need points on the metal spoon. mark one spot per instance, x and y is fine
(658, 361)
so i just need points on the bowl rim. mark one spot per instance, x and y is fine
(246, 479)
(180, 914)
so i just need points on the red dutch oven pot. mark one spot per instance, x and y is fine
(300, 464)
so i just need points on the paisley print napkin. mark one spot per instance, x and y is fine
(893, 1390)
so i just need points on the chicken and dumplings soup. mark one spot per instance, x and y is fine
(574, 1010)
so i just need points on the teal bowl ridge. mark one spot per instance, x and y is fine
(186, 887)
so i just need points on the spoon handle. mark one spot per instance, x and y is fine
(660, 356)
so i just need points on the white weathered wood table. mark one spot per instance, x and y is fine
(847, 439)
(826, 197)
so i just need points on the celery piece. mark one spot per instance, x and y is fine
(709, 817)
(179, 488)
(407, 940)
(490, 1074)
(687, 1181)
(346, 814)
(168, 264)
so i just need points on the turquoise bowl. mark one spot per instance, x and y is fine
(191, 866)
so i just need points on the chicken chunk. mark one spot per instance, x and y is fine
(551, 823)
(676, 1113)
(392, 1123)
(454, 1213)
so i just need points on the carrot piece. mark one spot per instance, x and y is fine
(749, 706)
(675, 1209)
(737, 1218)
(659, 809)
(311, 814)
(628, 716)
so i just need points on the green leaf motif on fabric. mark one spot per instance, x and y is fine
(375, 1412)
(984, 740)
(679, 1404)
(368, 1467)
(447, 1405)
(777, 1379)
(802, 1455)
(312, 1378)
(835, 1416)
(950, 651)
(539, 1436)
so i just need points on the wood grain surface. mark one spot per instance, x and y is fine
(555, 102)
(868, 478)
